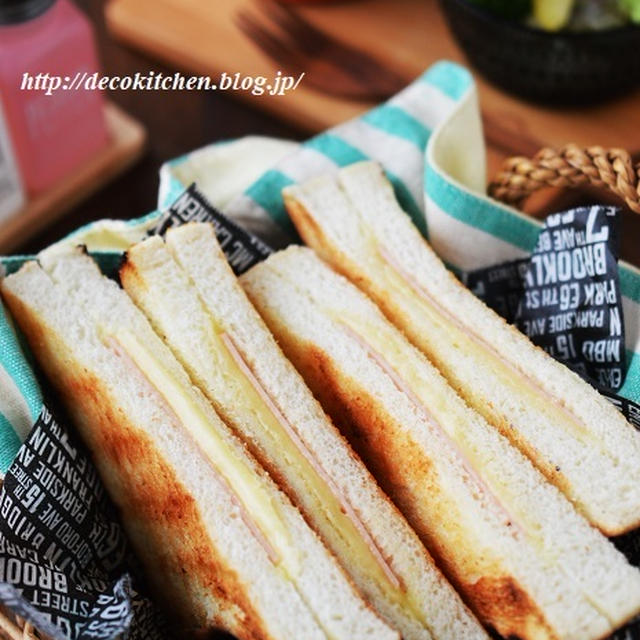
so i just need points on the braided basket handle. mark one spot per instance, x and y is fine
(571, 166)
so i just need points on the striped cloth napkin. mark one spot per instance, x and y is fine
(429, 140)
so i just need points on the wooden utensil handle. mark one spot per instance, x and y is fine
(570, 166)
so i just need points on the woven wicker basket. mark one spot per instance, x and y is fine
(13, 627)
(571, 166)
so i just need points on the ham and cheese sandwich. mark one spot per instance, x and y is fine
(221, 544)
(192, 298)
(525, 560)
(575, 437)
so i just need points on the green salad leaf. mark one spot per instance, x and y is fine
(631, 8)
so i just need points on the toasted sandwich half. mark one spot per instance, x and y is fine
(525, 560)
(192, 298)
(566, 428)
(222, 545)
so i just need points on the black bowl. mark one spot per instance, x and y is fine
(552, 68)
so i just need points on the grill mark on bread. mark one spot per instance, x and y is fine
(488, 591)
(375, 438)
(448, 441)
(153, 493)
(88, 403)
(366, 427)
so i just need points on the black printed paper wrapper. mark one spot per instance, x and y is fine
(241, 248)
(65, 564)
(572, 306)
(566, 296)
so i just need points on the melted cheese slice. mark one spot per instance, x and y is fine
(248, 487)
(399, 359)
(251, 401)
(446, 333)
(242, 480)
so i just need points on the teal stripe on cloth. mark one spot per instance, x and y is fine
(502, 224)
(343, 154)
(480, 213)
(630, 283)
(14, 362)
(266, 193)
(336, 149)
(631, 387)
(452, 79)
(9, 443)
(408, 203)
(152, 215)
(12, 263)
(396, 122)
(108, 261)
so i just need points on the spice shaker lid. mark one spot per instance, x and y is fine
(16, 11)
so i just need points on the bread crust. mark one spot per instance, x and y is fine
(314, 236)
(184, 569)
(496, 597)
(189, 272)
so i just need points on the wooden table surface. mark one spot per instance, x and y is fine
(178, 122)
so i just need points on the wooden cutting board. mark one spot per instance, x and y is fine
(406, 35)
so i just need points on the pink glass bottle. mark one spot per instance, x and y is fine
(51, 134)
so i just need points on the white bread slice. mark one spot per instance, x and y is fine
(525, 560)
(212, 554)
(568, 430)
(191, 296)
